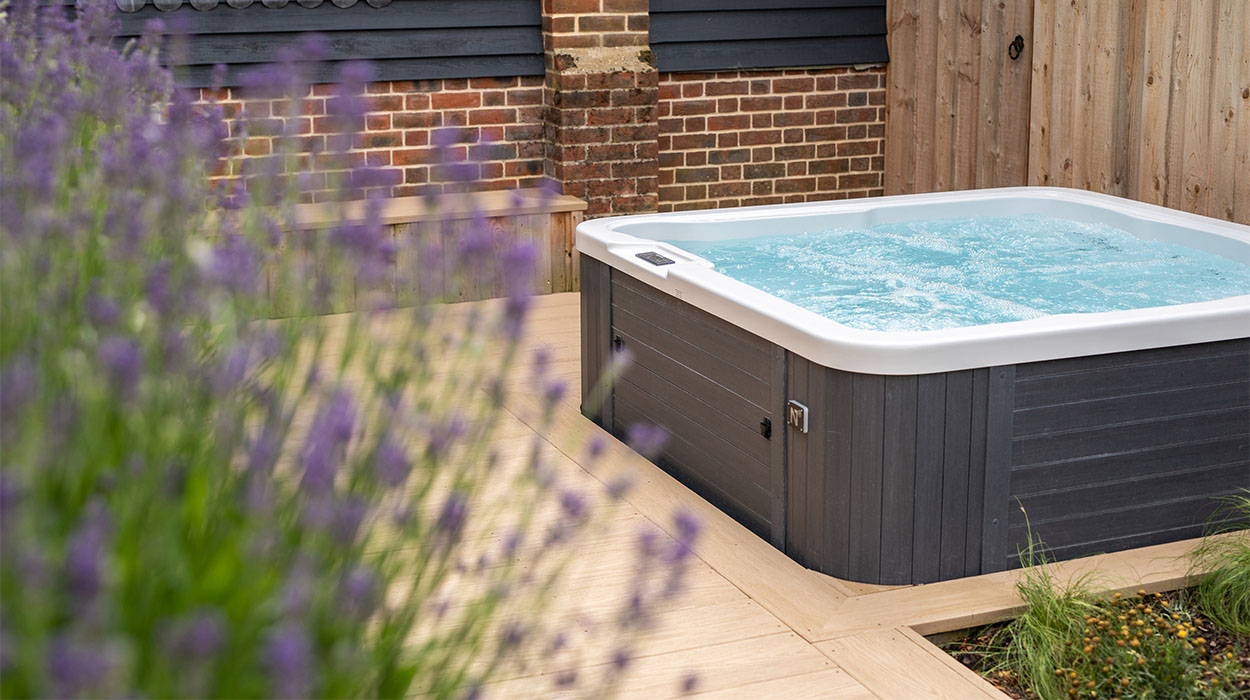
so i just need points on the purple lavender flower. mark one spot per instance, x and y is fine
(102, 311)
(646, 439)
(290, 655)
(596, 446)
(554, 391)
(566, 678)
(618, 487)
(78, 668)
(621, 658)
(689, 683)
(391, 465)
(327, 439)
(234, 265)
(122, 361)
(359, 592)
(573, 504)
(443, 434)
(453, 514)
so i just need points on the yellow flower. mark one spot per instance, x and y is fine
(1182, 633)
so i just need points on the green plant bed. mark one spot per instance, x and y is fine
(1078, 648)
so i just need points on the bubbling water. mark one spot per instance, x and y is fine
(951, 273)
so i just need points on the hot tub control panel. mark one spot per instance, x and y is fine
(655, 258)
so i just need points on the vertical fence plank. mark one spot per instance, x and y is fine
(1230, 41)
(1197, 109)
(903, 35)
(1156, 96)
(967, 79)
(1241, 126)
(926, 72)
(1181, 90)
(1040, 93)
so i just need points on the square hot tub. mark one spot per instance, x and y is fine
(898, 457)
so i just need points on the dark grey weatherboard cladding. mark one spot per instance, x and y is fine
(696, 35)
(404, 40)
(914, 479)
(1129, 449)
(712, 386)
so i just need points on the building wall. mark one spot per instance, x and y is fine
(604, 124)
(736, 138)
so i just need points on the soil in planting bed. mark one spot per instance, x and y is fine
(975, 649)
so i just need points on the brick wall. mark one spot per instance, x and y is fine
(606, 127)
(737, 138)
(496, 124)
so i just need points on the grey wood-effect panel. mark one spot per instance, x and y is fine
(771, 23)
(375, 44)
(955, 470)
(1141, 435)
(999, 484)
(1116, 544)
(596, 327)
(388, 69)
(691, 354)
(1183, 483)
(867, 448)
(1130, 379)
(723, 456)
(976, 472)
(1091, 533)
(837, 391)
(899, 479)
(777, 456)
(729, 490)
(327, 17)
(770, 53)
(930, 448)
(804, 467)
(742, 342)
(1130, 464)
(1066, 417)
(682, 397)
(746, 414)
(1130, 358)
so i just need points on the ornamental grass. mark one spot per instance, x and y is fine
(197, 500)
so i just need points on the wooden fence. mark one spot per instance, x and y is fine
(1148, 99)
(419, 228)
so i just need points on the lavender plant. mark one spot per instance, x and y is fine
(197, 501)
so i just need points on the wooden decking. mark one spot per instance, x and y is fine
(754, 624)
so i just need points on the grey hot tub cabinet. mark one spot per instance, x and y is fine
(914, 479)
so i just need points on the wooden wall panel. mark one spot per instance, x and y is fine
(1148, 100)
(957, 106)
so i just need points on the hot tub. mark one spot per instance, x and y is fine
(917, 456)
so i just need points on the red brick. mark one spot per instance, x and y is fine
(383, 139)
(793, 85)
(822, 100)
(634, 96)
(572, 7)
(857, 148)
(795, 152)
(610, 116)
(378, 159)
(857, 81)
(630, 6)
(795, 184)
(386, 103)
(411, 156)
(671, 160)
(755, 138)
(530, 96)
(692, 90)
(671, 194)
(696, 174)
(729, 140)
(696, 158)
(692, 141)
(757, 171)
(796, 168)
(416, 120)
(735, 121)
(762, 154)
(492, 116)
(670, 91)
(455, 100)
(633, 169)
(601, 23)
(731, 172)
(416, 102)
(792, 102)
(859, 180)
(377, 122)
(756, 104)
(639, 23)
(670, 126)
(416, 138)
(689, 107)
(857, 114)
(727, 104)
(737, 87)
(761, 120)
(696, 192)
(610, 152)
(856, 99)
(493, 98)
(794, 119)
(792, 136)
(856, 132)
(737, 155)
(635, 132)
(762, 187)
(560, 25)
(695, 124)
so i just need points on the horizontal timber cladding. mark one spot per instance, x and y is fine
(922, 478)
(406, 40)
(716, 388)
(1128, 449)
(887, 485)
(692, 35)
